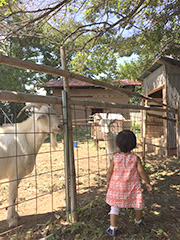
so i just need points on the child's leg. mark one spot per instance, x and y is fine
(114, 216)
(138, 214)
(113, 221)
(139, 222)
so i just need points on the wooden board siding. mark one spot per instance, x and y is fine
(154, 127)
(155, 80)
(94, 95)
(166, 77)
(173, 95)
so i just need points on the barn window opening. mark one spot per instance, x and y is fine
(156, 95)
(96, 110)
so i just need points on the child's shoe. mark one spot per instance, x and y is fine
(111, 232)
(139, 226)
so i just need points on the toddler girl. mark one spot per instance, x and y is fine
(124, 188)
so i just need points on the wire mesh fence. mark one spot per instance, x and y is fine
(90, 147)
(41, 193)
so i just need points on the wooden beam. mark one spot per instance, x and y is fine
(26, 97)
(117, 105)
(161, 117)
(144, 132)
(15, 62)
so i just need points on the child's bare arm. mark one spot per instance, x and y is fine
(109, 173)
(143, 175)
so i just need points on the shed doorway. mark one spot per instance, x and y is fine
(155, 131)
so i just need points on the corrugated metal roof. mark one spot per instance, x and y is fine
(80, 84)
(159, 62)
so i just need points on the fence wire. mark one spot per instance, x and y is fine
(90, 153)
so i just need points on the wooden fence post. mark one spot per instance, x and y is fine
(73, 195)
(144, 132)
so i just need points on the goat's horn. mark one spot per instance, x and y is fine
(28, 106)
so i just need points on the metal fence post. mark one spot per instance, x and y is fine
(66, 152)
(177, 129)
(73, 193)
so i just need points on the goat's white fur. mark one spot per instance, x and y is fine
(108, 136)
(19, 145)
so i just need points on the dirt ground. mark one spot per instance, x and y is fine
(43, 191)
(41, 199)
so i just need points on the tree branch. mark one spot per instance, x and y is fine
(43, 15)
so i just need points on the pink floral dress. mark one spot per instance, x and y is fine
(125, 189)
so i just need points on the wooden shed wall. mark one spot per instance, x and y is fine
(156, 128)
(173, 95)
(95, 95)
(155, 80)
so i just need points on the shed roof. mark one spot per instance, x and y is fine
(79, 84)
(158, 63)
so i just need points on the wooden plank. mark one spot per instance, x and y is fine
(26, 97)
(116, 105)
(156, 90)
(15, 62)
(144, 133)
(161, 117)
(155, 145)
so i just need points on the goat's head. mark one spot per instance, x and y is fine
(105, 125)
(47, 119)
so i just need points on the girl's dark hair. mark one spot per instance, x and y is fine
(126, 140)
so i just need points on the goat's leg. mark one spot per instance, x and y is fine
(12, 215)
(109, 159)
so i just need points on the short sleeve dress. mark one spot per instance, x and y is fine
(125, 188)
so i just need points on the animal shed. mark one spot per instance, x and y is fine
(88, 92)
(161, 82)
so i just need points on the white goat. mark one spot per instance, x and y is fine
(108, 136)
(19, 145)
